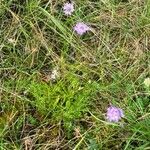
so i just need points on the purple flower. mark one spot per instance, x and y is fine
(114, 114)
(68, 8)
(81, 28)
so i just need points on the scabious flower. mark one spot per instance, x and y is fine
(147, 82)
(114, 114)
(81, 28)
(68, 8)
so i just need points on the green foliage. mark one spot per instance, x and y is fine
(65, 100)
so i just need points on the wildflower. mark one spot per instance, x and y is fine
(114, 114)
(81, 28)
(147, 82)
(68, 8)
(55, 74)
(11, 40)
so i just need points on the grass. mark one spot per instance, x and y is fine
(105, 66)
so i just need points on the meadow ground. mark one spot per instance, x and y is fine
(56, 85)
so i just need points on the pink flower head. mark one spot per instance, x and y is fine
(81, 28)
(114, 114)
(68, 8)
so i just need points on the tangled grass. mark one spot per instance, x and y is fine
(56, 86)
